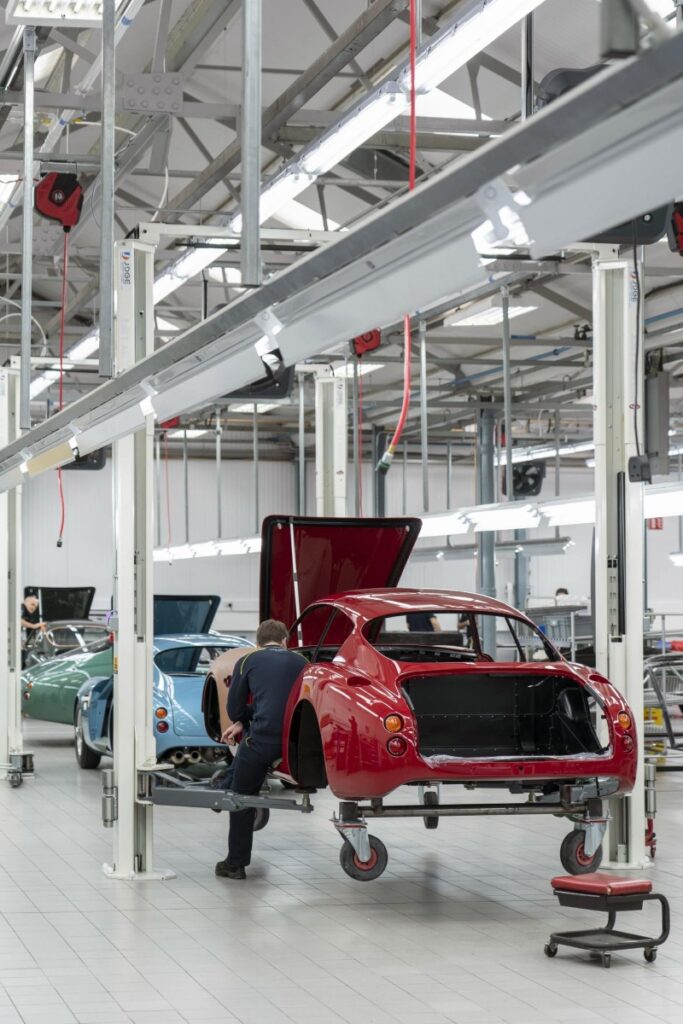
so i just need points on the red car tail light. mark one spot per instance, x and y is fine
(397, 746)
(162, 726)
(624, 720)
(393, 723)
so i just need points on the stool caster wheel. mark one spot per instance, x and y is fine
(15, 779)
(550, 949)
(650, 955)
(606, 960)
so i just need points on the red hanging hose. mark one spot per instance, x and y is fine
(384, 464)
(62, 326)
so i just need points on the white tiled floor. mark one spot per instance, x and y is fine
(452, 933)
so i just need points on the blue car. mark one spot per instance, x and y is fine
(181, 661)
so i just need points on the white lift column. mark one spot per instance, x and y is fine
(331, 443)
(11, 743)
(619, 560)
(134, 746)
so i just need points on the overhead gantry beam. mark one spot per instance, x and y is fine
(416, 252)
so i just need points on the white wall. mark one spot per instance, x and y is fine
(86, 557)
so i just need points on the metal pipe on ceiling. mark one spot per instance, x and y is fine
(107, 177)
(527, 67)
(302, 445)
(257, 513)
(507, 393)
(424, 423)
(27, 231)
(251, 141)
(219, 493)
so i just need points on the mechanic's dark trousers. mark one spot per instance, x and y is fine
(251, 767)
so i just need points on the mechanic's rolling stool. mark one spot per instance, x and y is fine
(611, 893)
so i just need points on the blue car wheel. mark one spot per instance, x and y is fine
(86, 757)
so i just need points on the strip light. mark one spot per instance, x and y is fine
(677, 558)
(444, 525)
(569, 513)
(347, 369)
(509, 516)
(446, 54)
(209, 549)
(56, 13)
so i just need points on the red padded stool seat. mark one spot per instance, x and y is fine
(610, 894)
(601, 884)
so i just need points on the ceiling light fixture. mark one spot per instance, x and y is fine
(191, 433)
(444, 525)
(569, 513)
(347, 369)
(260, 407)
(56, 13)
(485, 314)
(508, 516)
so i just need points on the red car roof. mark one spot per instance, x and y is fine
(373, 604)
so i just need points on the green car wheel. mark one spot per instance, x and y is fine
(86, 757)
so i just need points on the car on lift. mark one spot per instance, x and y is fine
(68, 628)
(486, 702)
(77, 688)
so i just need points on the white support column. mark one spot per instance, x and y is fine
(618, 423)
(11, 741)
(134, 746)
(331, 444)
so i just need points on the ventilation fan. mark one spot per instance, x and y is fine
(527, 479)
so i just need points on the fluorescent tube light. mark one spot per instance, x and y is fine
(444, 525)
(662, 503)
(286, 186)
(488, 317)
(569, 513)
(364, 121)
(485, 314)
(56, 13)
(239, 546)
(465, 39)
(529, 454)
(677, 558)
(346, 369)
(509, 516)
(249, 407)
(190, 433)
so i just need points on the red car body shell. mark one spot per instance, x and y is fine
(353, 694)
(359, 563)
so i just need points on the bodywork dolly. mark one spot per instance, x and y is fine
(364, 856)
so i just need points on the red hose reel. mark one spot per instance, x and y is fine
(60, 197)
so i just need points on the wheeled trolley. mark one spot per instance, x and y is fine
(20, 767)
(364, 857)
(612, 894)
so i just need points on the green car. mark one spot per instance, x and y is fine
(50, 689)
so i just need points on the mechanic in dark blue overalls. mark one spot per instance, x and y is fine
(267, 675)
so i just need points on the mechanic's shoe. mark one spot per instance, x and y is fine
(225, 870)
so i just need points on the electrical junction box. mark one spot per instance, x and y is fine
(657, 387)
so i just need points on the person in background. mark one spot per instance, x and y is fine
(259, 690)
(423, 622)
(30, 620)
(30, 614)
(561, 595)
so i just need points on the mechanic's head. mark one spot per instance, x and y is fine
(271, 632)
(31, 603)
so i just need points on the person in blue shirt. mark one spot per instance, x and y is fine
(257, 699)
